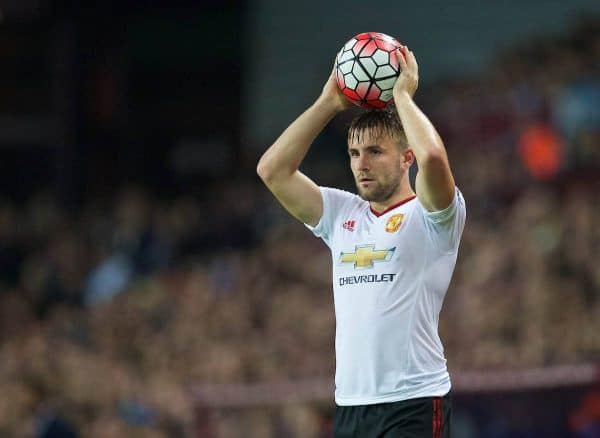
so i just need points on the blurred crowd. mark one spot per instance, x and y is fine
(110, 314)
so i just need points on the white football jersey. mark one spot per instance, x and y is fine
(391, 272)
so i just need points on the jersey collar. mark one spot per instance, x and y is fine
(391, 207)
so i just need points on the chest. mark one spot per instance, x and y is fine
(367, 242)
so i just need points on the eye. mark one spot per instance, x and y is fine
(353, 153)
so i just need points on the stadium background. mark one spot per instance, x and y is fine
(151, 287)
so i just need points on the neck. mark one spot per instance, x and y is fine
(405, 192)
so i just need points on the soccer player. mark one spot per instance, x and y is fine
(393, 254)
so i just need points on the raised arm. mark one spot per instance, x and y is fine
(278, 167)
(434, 183)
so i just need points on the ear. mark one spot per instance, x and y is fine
(408, 158)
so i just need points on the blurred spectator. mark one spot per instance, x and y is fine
(585, 420)
(541, 151)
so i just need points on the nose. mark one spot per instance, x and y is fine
(362, 162)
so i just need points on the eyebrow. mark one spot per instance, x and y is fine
(371, 146)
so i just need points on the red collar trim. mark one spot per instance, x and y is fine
(390, 208)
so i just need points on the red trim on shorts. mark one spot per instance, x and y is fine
(376, 213)
(437, 418)
(441, 416)
(433, 422)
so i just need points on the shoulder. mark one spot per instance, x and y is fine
(445, 227)
(456, 207)
(337, 203)
(334, 199)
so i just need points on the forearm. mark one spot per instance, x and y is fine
(286, 154)
(422, 136)
(434, 182)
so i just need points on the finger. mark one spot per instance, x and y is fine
(404, 51)
(412, 61)
(401, 59)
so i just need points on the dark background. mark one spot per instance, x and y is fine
(99, 95)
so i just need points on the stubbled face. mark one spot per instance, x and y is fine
(377, 166)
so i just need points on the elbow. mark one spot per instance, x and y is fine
(261, 171)
(434, 157)
(264, 170)
(272, 168)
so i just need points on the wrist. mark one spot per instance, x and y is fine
(329, 105)
(401, 96)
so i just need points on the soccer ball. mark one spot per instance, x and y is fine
(366, 69)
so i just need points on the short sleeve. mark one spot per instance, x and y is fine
(335, 202)
(445, 227)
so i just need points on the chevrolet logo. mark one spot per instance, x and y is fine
(365, 255)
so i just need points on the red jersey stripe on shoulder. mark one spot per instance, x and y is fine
(390, 208)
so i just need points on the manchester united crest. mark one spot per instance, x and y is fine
(393, 223)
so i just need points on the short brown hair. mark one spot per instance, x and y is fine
(378, 122)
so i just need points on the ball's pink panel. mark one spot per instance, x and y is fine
(362, 89)
(374, 92)
(351, 94)
(358, 46)
(369, 49)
